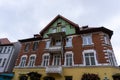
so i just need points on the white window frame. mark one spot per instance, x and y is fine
(87, 39)
(44, 61)
(69, 42)
(35, 47)
(58, 42)
(1, 61)
(32, 61)
(5, 49)
(111, 59)
(95, 57)
(48, 44)
(9, 49)
(26, 50)
(1, 49)
(55, 64)
(107, 39)
(23, 61)
(4, 62)
(67, 53)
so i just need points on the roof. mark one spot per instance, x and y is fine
(10, 44)
(96, 29)
(29, 39)
(4, 41)
(59, 16)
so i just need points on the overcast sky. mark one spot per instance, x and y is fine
(20, 19)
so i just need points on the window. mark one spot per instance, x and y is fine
(68, 77)
(54, 30)
(5, 48)
(4, 61)
(63, 29)
(27, 45)
(9, 48)
(87, 40)
(1, 48)
(23, 61)
(47, 44)
(69, 42)
(106, 39)
(0, 61)
(35, 46)
(89, 59)
(31, 61)
(57, 60)
(111, 58)
(46, 58)
(69, 59)
(58, 42)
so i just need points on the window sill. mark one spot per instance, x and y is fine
(68, 46)
(92, 44)
(107, 44)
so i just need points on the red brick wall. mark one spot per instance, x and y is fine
(77, 49)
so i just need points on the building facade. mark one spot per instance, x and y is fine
(65, 51)
(8, 55)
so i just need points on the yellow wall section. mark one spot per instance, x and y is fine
(75, 72)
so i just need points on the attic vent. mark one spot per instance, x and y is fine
(59, 23)
(84, 27)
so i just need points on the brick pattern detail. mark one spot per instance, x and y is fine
(77, 49)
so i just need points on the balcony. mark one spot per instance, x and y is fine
(57, 34)
(54, 69)
(54, 49)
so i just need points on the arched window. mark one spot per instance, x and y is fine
(89, 57)
(23, 61)
(111, 57)
(69, 59)
(32, 59)
(45, 59)
(56, 60)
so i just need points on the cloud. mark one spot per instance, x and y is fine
(21, 19)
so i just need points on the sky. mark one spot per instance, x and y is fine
(21, 19)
